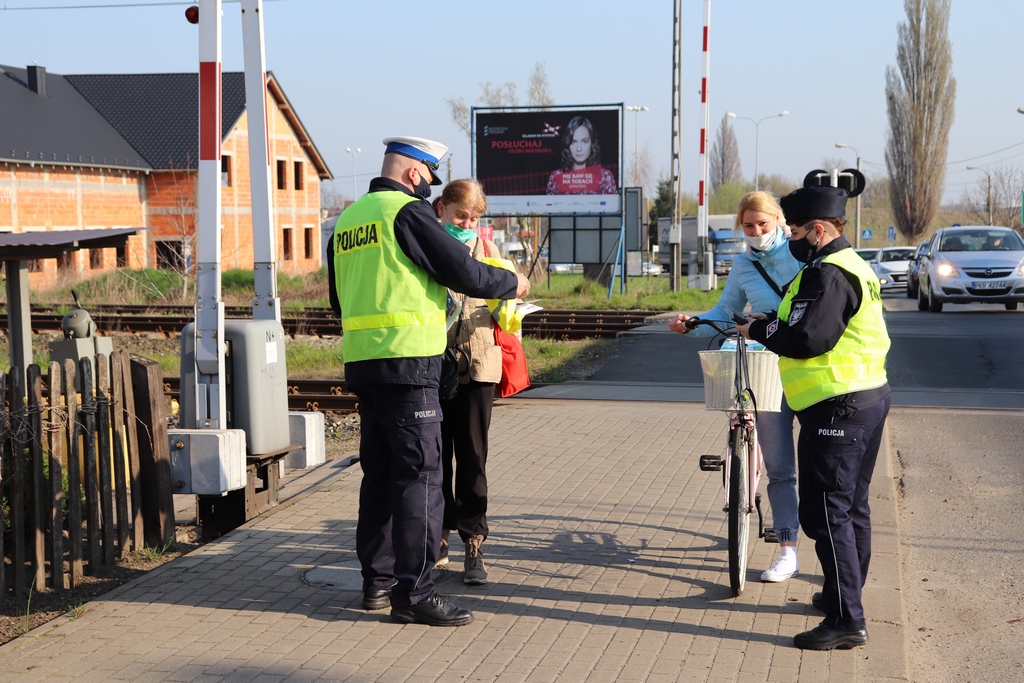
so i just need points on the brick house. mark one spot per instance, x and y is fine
(121, 150)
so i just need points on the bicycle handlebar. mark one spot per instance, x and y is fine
(692, 323)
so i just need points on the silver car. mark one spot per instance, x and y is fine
(972, 264)
(890, 265)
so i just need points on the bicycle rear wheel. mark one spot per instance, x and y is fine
(739, 503)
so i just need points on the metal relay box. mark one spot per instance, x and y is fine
(256, 380)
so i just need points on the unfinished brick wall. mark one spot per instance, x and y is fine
(36, 197)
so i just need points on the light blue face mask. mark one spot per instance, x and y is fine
(463, 235)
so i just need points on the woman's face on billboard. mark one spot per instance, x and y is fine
(580, 147)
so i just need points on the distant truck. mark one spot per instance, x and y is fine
(727, 245)
(721, 224)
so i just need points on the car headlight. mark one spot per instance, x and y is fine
(947, 269)
(1020, 268)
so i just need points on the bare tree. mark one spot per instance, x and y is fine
(725, 156)
(539, 92)
(876, 192)
(639, 167)
(331, 200)
(1006, 197)
(920, 92)
(507, 95)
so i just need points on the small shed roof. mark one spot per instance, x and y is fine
(24, 246)
(16, 247)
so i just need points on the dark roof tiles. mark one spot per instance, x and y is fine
(159, 113)
(58, 127)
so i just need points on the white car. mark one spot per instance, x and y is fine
(972, 264)
(890, 265)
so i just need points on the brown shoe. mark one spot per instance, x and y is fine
(476, 572)
(442, 558)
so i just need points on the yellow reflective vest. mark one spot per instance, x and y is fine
(857, 362)
(390, 307)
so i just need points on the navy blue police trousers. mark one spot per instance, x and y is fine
(398, 533)
(836, 453)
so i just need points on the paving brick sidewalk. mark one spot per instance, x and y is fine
(606, 561)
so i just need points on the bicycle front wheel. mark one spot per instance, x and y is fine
(739, 503)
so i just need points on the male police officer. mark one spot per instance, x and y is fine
(389, 267)
(832, 343)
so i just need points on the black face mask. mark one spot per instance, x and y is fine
(802, 250)
(422, 188)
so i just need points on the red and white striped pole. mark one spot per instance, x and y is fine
(707, 282)
(210, 406)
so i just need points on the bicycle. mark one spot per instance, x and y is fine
(728, 377)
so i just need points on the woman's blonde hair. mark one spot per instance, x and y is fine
(762, 201)
(465, 192)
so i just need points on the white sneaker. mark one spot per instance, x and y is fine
(784, 567)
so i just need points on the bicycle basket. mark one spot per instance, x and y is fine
(719, 368)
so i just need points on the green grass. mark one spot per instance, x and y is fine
(642, 293)
(549, 360)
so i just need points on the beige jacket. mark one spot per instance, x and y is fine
(479, 357)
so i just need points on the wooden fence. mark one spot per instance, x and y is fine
(86, 473)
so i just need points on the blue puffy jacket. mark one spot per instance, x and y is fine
(745, 285)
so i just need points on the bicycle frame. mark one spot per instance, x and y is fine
(741, 497)
(755, 461)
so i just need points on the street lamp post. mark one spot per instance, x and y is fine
(856, 237)
(988, 203)
(757, 137)
(636, 141)
(354, 152)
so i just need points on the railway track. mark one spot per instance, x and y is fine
(316, 394)
(169, 321)
(321, 395)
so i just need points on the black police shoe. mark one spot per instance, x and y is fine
(377, 599)
(434, 611)
(828, 635)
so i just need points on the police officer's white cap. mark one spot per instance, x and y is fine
(420, 149)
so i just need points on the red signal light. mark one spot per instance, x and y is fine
(192, 14)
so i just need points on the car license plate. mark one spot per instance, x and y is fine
(996, 284)
(899, 278)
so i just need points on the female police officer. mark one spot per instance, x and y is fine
(832, 343)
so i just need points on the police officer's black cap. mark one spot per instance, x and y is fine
(808, 203)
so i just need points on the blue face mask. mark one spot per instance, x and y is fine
(463, 235)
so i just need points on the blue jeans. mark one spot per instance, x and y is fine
(775, 434)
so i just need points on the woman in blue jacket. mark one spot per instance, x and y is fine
(764, 229)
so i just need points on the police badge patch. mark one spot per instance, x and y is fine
(799, 308)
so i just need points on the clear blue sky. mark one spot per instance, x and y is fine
(357, 72)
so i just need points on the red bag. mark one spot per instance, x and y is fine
(514, 374)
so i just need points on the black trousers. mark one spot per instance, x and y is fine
(467, 419)
(398, 533)
(836, 454)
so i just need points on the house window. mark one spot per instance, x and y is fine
(282, 174)
(35, 265)
(65, 263)
(169, 256)
(225, 171)
(307, 240)
(297, 168)
(122, 257)
(95, 258)
(286, 247)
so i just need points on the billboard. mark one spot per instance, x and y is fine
(557, 160)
